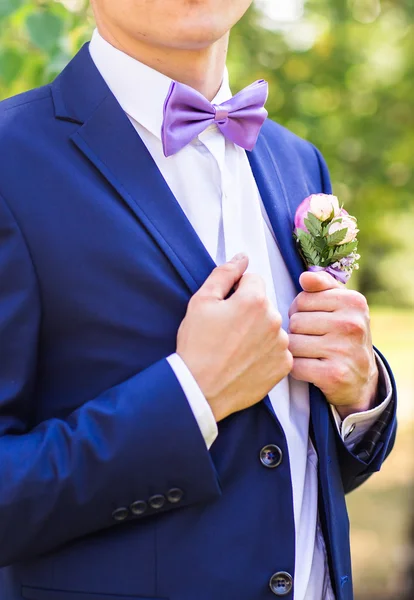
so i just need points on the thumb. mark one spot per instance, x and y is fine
(318, 282)
(224, 278)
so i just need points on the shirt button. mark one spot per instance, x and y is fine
(138, 508)
(271, 456)
(175, 495)
(156, 502)
(120, 514)
(281, 583)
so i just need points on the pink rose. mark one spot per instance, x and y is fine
(301, 214)
(348, 222)
(320, 205)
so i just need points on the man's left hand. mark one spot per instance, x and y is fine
(330, 340)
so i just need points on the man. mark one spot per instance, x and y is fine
(136, 463)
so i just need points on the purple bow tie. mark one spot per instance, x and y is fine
(187, 114)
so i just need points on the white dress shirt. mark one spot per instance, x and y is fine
(212, 181)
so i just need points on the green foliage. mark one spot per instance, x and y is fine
(318, 247)
(11, 62)
(7, 7)
(337, 237)
(44, 29)
(307, 247)
(344, 251)
(343, 78)
(37, 39)
(313, 224)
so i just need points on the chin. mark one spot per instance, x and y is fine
(199, 36)
(198, 42)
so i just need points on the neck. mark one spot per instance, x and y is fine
(202, 69)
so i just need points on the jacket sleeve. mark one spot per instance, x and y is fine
(369, 454)
(357, 467)
(63, 479)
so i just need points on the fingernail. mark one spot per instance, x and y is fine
(238, 258)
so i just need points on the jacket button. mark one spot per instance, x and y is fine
(138, 508)
(175, 495)
(156, 502)
(271, 456)
(281, 583)
(120, 514)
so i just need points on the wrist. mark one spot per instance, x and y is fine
(351, 409)
(207, 385)
(368, 399)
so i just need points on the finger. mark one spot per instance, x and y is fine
(327, 301)
(252, 286)
(307, 346)
(224, 278)
(311, 323)
(318, 282)
(307, 369)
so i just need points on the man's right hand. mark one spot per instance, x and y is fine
(235, 348)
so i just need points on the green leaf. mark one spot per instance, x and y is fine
(309, 251)
(337, 237)
(8, 7)
(344, 251)
(44, 29)
(11, 62)
(320, 244)
(313, 224)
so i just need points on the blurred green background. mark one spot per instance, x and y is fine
(341, 74)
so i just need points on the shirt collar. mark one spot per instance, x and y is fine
(140, 90)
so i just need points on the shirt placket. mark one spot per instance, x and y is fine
(231, 210)
(230, 240)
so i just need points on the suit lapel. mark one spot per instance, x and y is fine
(276, 202)
(137, 179)
(108, 139)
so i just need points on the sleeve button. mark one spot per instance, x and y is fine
(175, 495)
(138, 508)
(157, 502)
(120, 514)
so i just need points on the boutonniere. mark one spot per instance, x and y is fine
(327, 236)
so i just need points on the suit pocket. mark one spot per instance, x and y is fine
(30, 593)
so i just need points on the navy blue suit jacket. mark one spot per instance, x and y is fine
(97, 265)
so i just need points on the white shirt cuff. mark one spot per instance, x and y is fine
(198, 403)
(353, 428)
